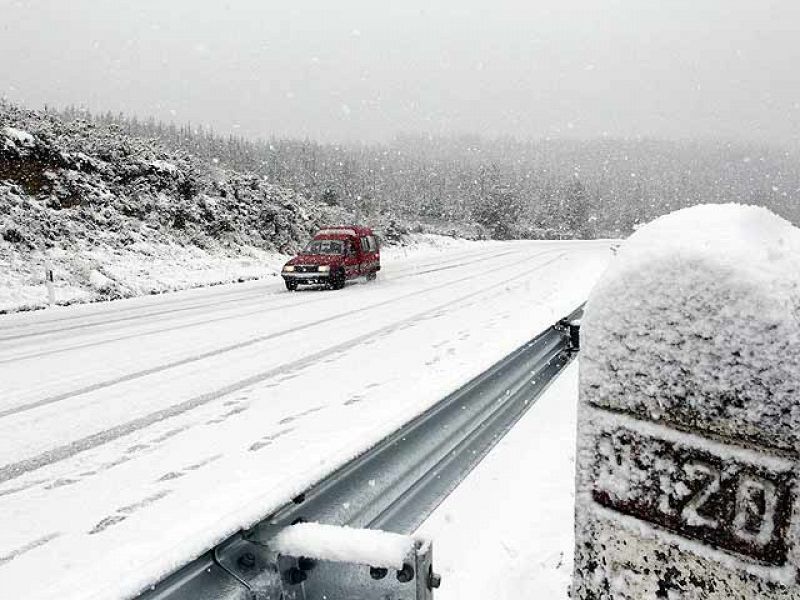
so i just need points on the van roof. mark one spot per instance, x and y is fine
(346, 230)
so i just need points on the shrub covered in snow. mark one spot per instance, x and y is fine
(67, 182)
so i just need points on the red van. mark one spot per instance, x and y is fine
(334, 256)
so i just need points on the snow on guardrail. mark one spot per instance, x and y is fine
(345, 544)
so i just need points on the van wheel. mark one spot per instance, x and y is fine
(291, 285)
(372, 276)
(338, 280)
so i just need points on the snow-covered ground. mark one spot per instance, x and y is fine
(507, 531)
(136, 434)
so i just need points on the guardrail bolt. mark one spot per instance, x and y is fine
(305, 563)
(295, 576)
(247, 561)
(405, 574)
(434, 579)
(378, 572)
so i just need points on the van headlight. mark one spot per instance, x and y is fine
(324, 268)
(288, 268)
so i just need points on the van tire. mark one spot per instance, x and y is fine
(372, 276)
(291, 285)
(338, 280)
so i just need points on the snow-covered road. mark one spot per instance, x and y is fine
(134, 435)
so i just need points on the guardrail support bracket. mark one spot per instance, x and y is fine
(256, 563)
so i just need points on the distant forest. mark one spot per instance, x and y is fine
(501, 188)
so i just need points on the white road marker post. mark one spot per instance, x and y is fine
(688, 459)
(49, 282)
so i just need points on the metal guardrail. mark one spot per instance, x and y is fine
(394, 486)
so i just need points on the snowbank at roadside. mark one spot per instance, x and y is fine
(96, 273)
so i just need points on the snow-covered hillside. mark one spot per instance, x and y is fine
(121, 216)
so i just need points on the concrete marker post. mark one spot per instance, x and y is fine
(688, 438)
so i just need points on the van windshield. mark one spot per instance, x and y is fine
(324, 247)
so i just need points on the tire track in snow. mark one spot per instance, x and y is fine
(14, 410)
(198, 306)
(177, 303)
(27, 548)
(239, 296)
(236, 315)
(66, 451)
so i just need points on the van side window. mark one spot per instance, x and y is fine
(365, 245)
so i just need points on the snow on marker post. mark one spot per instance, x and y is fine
(689, 419)
(49, 282)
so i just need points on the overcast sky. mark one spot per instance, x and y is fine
(353, 70)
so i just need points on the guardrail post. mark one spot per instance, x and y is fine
(572, 327)
(688, 434)
(310, 561)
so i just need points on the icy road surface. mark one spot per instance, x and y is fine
(135, 435)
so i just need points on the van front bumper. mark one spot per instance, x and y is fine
(319, 277)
